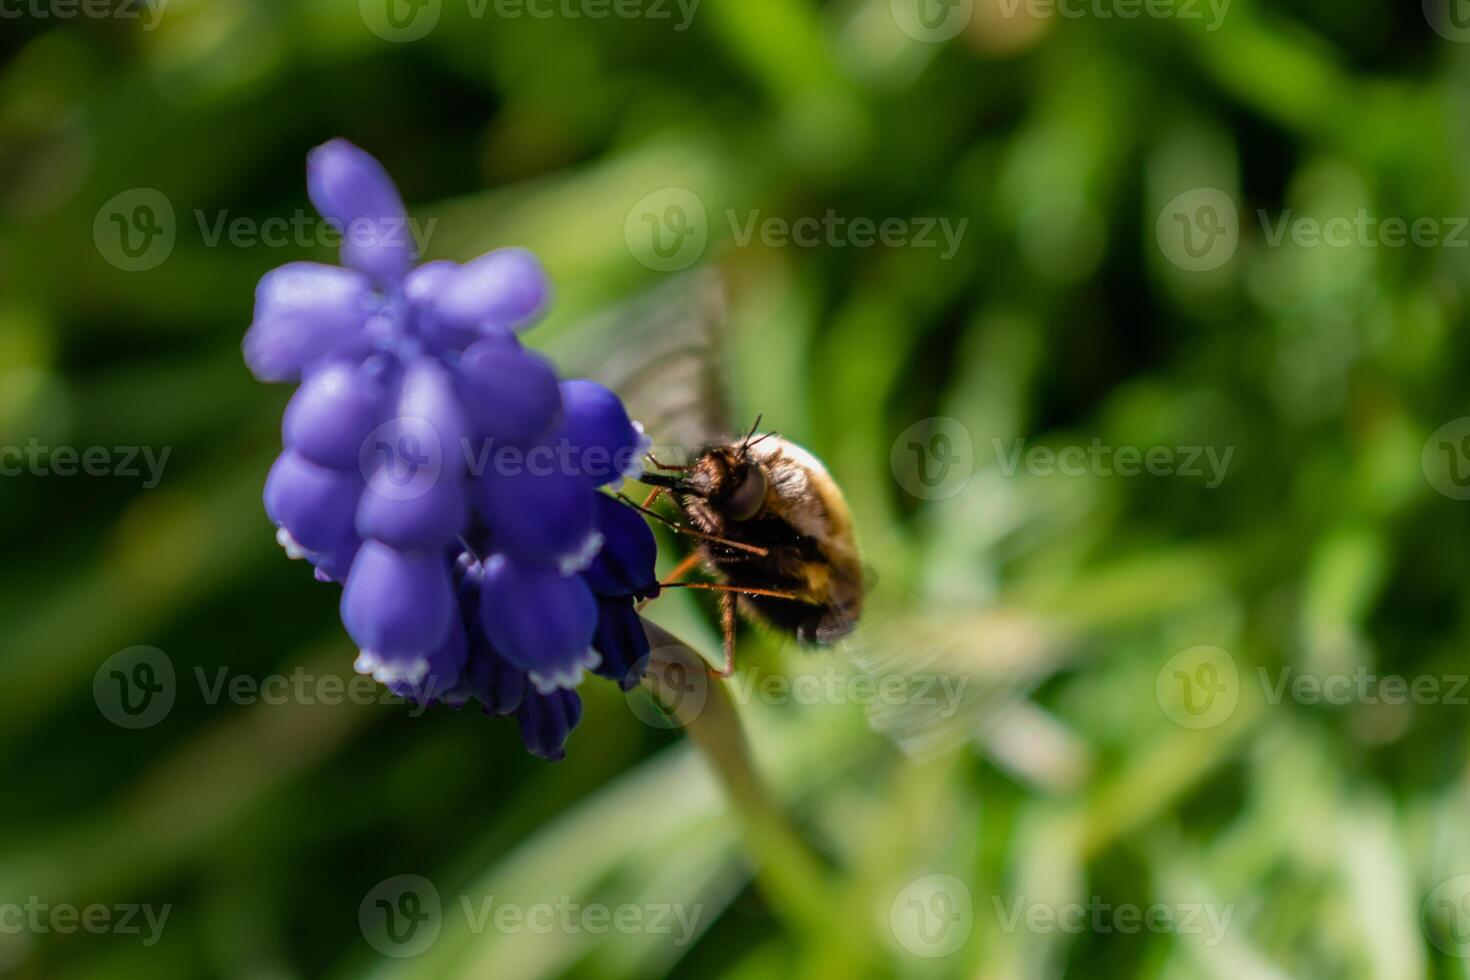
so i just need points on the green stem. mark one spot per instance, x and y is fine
(789, 875)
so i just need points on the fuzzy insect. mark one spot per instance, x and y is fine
(774, 526)
(771, 523)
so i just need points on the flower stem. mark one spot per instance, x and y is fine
(790, 876)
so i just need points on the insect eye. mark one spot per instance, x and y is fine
(748, 497)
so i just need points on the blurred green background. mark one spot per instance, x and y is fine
(1080, 773)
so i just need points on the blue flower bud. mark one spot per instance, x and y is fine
(510, 395)
(303, 312)
(444, 673)
(420, 287)
(397, 607)
(507, 288)
(608, 445)
(540, 621)
(621, 642)
(414, 384)
(332, 413)
(546, 721)
(538, 514)
(625, 565)
(312, 503)
(349, 187)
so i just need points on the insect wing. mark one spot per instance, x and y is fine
(661, 352)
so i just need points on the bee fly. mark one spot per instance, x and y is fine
(773, 524)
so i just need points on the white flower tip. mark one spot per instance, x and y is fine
(564, 679)
(578, 560)
(293, 549)
(634, 469)
(383, 672)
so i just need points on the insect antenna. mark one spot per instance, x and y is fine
(745, 443)
(756, 442)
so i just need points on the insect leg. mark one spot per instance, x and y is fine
(653, 496)
(665, 466)
(684, 567)
(739, 590)
(727, 628)
(692, 532)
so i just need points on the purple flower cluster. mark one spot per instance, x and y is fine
(460, 580)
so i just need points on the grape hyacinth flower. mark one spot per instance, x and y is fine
(443, 474)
